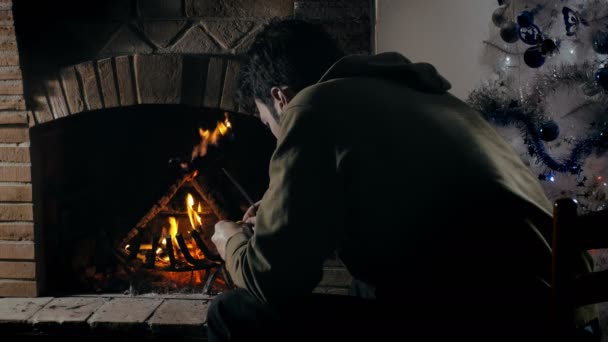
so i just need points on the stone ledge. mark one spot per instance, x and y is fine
(145, 317)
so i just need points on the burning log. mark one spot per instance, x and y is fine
(184, 248)
(203, 247)
(151, 257)
(170, 251)
(158, 207)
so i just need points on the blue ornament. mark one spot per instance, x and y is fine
(572, 20)
(600, 42)
(549, 131)
(530, 35)
(533, 57)
(525, 19)
(499, 16)
(601, 78)
(508, 32)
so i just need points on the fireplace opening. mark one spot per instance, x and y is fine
(119, 207)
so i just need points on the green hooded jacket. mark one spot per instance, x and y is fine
(415, 190)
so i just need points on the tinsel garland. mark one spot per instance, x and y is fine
(527, 112)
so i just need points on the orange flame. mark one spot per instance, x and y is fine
(195, 219)
(211, 137)
(173, 226)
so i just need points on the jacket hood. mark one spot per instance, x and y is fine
(389, 65)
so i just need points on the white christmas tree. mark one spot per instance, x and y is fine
(548, 95)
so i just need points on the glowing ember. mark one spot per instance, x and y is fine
(211, 137)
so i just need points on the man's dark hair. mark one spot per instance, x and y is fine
(287, 52)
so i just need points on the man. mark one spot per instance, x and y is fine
(423, 201)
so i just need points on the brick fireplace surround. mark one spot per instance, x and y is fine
(148, 52)
(131, 52)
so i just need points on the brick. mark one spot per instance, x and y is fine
(31, 119)
(7, 30)
(179, 315)
(17, 270)
(243, 44)
(17, 250)
(124, 312)
(159, 78)
(40, 104)
(10, 73)
(17, 134)
(72, 89)
(197, 41)
(228, 101)
(238, 8)
(106, 80)
(213, 85)
(16, 231)
(11, 87)
(14, 154)
(8, 45)
(16, 212)
(90, 86)
(19, 288)
(9, 59)
(15, 193)
(194, 74)
(15, 173)
(13, 118)
(125, 81)
(163, 33)
(126, 42)
(228, 33)
(12, 102)
(56, 99)
(19, 310)
(68, 310)
(6, 16)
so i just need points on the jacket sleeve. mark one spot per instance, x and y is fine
(299, 217)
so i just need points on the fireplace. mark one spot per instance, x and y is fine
(99, 112)
(122, 207)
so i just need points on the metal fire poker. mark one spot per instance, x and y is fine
(243, 193)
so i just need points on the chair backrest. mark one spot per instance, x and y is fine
(573, 234)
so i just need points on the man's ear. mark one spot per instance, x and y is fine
(282, 96)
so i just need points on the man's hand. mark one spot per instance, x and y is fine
(250, 214)
(224, 230)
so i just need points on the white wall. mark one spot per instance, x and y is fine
(445, 33)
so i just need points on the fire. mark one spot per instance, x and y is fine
(211, 137)
(172, 227)
(195, 218)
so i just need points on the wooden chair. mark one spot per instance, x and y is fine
(572, 234)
